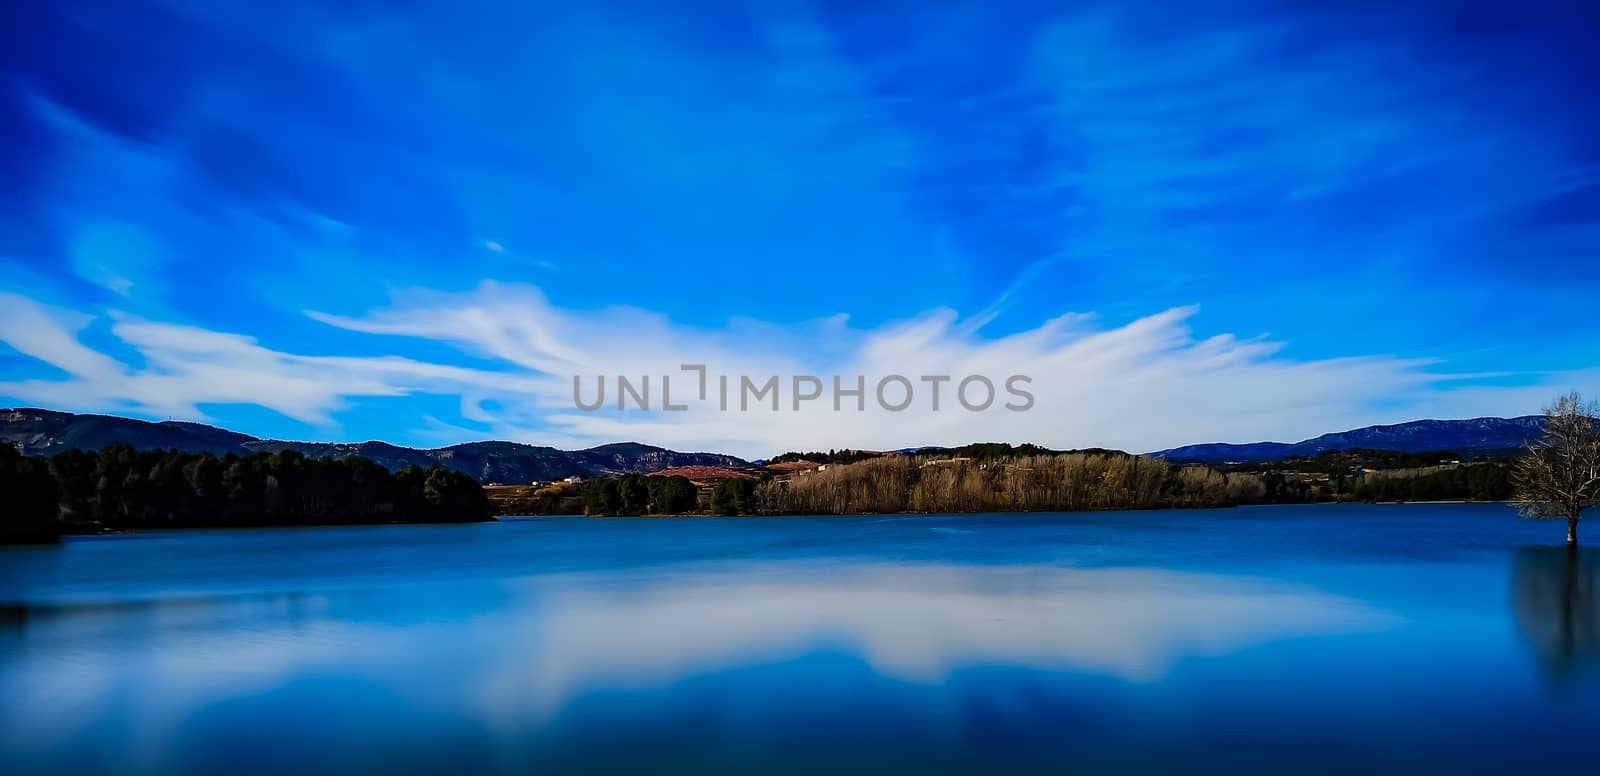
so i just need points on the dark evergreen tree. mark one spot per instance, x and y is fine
(734, 497)
(672, 495)
(28, 499)
(120, 487)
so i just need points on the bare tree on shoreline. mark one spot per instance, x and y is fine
(1028, 483)
(1558, 476)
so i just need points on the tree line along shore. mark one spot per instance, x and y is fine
(1006, 478)
(122, 488)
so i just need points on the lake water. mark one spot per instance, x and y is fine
(1320, 638)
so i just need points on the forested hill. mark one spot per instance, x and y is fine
(118, 487)
(1493, 437)
(47, 432)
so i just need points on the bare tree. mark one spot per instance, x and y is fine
(1037, 483)
(1559, 475)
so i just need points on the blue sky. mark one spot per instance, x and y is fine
(417, 220)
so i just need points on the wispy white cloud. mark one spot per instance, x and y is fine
(1283, 167)
(1143, 385)
(180, 368)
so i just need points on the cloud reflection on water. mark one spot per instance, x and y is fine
(509, 657)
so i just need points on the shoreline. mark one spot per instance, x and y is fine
(44, 540)
(66, 535)
(1017, 512)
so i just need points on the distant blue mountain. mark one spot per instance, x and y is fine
(1477, 436)
(45, 432)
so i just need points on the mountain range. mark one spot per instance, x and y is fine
(45, 432)
(1477, 436)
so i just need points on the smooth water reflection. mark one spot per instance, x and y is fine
(1557, 600)
(1322, 638)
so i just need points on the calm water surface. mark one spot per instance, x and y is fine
(1323, 638)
